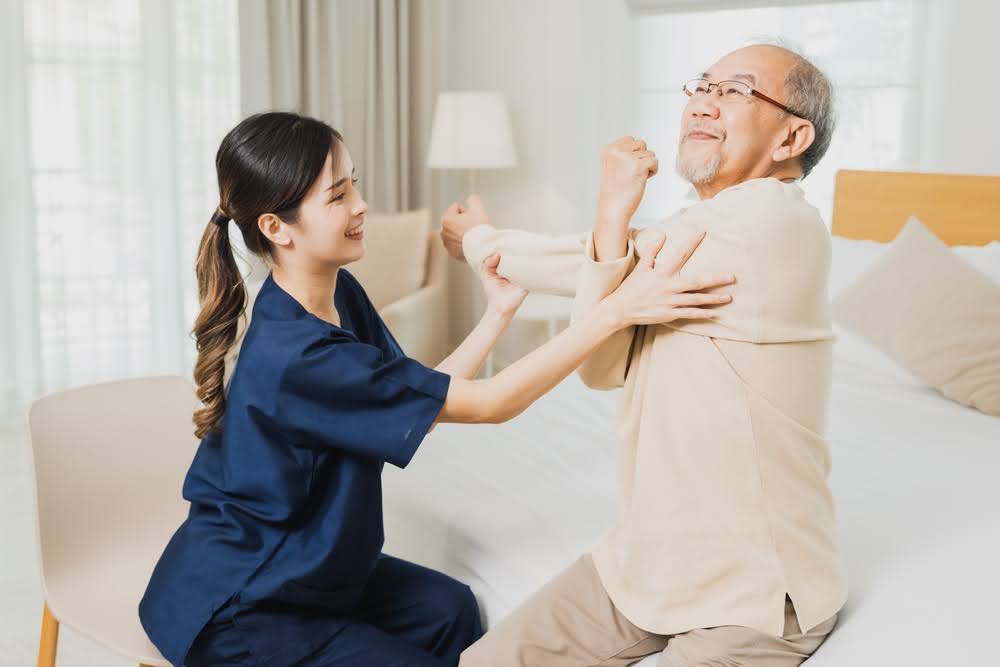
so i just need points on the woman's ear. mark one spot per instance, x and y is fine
(274, 229)
(800, 137)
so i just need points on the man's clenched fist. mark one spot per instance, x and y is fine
(459, 219)
(626, 165)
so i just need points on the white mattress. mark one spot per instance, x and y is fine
(916, 479)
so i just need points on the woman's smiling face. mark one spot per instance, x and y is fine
(330, 225)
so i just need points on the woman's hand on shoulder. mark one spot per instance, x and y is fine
(656, 293)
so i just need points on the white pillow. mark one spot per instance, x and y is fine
(933, 313)
(985, 258)
(851, 349)
(852, 257)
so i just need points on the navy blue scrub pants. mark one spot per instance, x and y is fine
(408, 615)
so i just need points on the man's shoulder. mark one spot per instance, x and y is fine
(760, 207)
(763, 196)
(767, 218)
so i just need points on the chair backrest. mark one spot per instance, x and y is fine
(109, 461)
(396, 250)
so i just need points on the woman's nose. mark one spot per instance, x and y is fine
(361, 208)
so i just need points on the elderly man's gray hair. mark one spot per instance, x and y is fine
(810, 96)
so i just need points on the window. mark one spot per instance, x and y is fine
(127, 101)
(869, 49)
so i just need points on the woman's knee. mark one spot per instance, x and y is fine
(458, 623)
(458, 603)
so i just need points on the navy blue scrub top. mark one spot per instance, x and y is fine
(286, 503)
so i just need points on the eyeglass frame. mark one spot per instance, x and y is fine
(753, 92)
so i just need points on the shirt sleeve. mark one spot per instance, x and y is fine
(536, 262)
(606, 366)
(345, 395)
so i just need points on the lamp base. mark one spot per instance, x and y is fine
(472, 181)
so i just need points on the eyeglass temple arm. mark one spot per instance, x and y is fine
(771, 100)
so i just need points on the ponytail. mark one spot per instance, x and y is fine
(266, 164)
(222, 297)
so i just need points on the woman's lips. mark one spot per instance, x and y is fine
(356, 233)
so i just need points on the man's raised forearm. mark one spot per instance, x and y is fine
(610, 237)
(626, 165)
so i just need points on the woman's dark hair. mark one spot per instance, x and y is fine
(266, 164)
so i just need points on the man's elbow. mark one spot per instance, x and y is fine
(601, 379)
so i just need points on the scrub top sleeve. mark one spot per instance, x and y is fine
(345, 395)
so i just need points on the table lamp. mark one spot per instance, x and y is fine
(471, 131)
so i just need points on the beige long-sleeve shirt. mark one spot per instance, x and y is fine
(720, 425)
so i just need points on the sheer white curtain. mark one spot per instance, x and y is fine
(872, 49)
(114, 110)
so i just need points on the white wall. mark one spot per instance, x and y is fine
(961, 105)
(556, 63)
(565, 69)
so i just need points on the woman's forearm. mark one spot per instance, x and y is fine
(522, 383)
(468, 357)
(511, 391)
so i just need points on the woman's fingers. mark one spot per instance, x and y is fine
(697, 299)
(701, 283)
(651, 245)
(694, 314)
(680, 254)
(492, 262)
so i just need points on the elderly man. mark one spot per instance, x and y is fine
(724, 552)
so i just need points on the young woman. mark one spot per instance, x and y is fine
(279, 561)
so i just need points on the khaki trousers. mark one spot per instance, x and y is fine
(571, 622)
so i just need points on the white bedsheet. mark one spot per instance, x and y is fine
(916, 479)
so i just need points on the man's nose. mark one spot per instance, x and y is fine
(705, 104)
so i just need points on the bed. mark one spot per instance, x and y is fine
(915, 476)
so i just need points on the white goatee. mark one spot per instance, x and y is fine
(697, 173)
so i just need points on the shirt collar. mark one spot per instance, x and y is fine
(274, 303)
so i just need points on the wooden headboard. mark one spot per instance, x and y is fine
(874, 205)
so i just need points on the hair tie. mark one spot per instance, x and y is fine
(219, 218)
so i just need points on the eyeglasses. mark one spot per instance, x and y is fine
(730, 90)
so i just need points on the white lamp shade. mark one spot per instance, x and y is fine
(471, 130)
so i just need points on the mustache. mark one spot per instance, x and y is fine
(707, 129)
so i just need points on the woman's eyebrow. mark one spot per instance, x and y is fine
(342, 181)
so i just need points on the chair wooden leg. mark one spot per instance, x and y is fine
(49, 639)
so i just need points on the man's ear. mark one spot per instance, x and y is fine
(274, 229)
(801, 135)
